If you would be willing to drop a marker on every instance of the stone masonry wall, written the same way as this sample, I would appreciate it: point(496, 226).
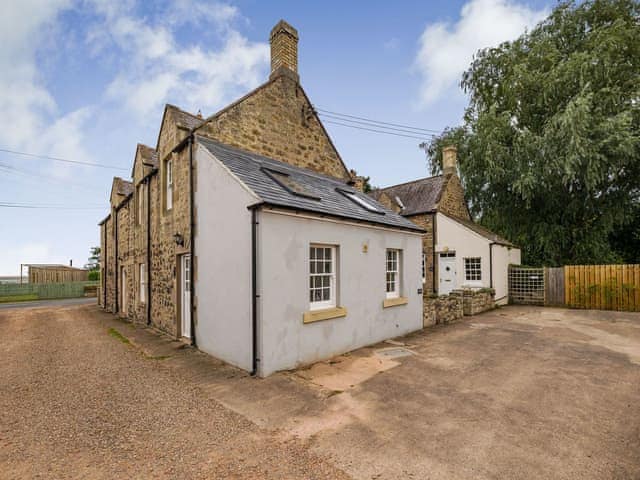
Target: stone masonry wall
point(165, 252)
point(277, 121)
point(452, 201)
point(125, 260)
point(477, 301)
point(425, 221)
point(442, 310)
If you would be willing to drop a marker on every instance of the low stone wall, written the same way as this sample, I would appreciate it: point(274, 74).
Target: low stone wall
point(477, 301)
point(441, 310)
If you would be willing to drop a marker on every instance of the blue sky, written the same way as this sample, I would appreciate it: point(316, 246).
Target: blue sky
point(87, 80)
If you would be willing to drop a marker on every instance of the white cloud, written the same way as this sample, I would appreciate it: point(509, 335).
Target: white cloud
point(447, 49)
point(29, 110)
point(157, 69)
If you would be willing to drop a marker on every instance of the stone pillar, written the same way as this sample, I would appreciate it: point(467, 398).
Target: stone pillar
point(284, 50)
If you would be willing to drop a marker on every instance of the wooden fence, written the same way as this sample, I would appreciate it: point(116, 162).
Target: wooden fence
point(603, 287)
point(36, 291)
point(57, 274)
point(600, 287)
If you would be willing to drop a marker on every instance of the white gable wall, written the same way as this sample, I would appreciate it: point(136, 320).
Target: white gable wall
point(455, 237)
point(502, 257)
point(223, 262)
point(284, 240)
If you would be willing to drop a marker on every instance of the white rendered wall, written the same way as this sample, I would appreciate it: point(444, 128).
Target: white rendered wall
point(502, 257)
point(465, 242)
point(455, 237)
point(223, 263)
point(285, 341)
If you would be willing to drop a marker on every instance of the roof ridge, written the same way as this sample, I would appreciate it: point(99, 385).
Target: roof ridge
point(304, 170)
point(410, 181)
point(183, 111)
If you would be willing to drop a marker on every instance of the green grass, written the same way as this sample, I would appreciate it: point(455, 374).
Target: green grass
point(19, 298)
point(116, 334)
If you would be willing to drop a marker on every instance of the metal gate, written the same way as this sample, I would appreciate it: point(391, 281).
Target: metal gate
point(526, 285)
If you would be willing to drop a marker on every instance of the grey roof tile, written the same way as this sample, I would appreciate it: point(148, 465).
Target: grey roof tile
point(418, 196)
point(253, 171)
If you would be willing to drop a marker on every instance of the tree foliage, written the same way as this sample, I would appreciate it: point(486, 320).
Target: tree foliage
point(94, 259)
point(550, 147)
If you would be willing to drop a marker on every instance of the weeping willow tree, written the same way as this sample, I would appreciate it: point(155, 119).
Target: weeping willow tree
point(550, 145)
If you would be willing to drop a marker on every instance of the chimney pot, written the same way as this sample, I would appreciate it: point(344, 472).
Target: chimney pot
point(284, 50)
point(450, 160)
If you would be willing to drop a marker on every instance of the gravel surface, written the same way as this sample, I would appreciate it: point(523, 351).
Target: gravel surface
point(77, 402)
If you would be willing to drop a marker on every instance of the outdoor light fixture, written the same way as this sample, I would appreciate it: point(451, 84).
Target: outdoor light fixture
point(179, 239)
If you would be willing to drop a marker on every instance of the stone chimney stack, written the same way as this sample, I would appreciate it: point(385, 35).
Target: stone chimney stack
point(450, 160)
point(284, 50)
point(357, 181)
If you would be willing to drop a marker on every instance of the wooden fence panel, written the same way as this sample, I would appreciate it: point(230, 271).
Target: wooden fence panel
point(606, 287)
point(554, 286)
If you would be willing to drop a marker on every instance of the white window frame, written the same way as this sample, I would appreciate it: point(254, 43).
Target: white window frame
point(169, 184)
point(314, 248)
point(471, 270)
point(142, 272)
point(393, 267)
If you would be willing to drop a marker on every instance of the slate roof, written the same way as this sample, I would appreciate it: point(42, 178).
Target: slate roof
point(148, 155)
point(480, 230)
point(418, 196)
point(123, 187)
point(257, 173)
point(184, 118)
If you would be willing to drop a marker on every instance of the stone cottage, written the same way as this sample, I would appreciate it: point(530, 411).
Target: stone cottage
point(245, 234)
point(457, 252)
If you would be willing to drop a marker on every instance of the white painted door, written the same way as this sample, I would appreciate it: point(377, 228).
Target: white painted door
point(123, 289)
point(447, 273)
point(186, 296)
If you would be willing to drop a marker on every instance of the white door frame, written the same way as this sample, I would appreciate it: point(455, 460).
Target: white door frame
point(447, 272)
point(185, 292)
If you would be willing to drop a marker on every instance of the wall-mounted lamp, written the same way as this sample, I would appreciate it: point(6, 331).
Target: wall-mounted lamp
point(179, 239)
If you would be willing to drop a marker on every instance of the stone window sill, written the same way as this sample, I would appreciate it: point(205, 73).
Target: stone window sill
point(324, 314)
point(392, 302)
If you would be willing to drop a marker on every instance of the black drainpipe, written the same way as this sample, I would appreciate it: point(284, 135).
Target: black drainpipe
point(254, 291)
point(115, 251)
point(192, 242)
point(106, 266)
point(148, 269)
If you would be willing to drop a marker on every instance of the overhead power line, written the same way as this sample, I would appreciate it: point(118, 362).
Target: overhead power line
point(378, 131)
point(57, 159)
point(28, 174)
point(46, 206)
point(368, 124)
point(379, 122)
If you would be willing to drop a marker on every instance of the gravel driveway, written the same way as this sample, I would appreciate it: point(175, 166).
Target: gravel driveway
point(79, 402)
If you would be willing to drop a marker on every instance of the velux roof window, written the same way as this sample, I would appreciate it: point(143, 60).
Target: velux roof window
point(290, 184)
point(360, 201)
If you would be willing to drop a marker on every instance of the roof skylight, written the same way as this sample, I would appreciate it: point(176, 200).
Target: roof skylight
point(360, 201)
point(290, 184)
